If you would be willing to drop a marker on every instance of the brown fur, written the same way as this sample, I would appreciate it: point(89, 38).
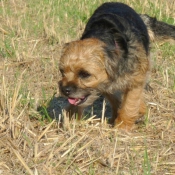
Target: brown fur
point(89, 55)
point(111, 57)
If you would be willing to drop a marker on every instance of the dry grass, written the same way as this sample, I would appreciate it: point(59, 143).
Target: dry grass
point(32, 33)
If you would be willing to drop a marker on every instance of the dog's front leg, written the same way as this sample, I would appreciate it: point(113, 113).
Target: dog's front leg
point(115, 101)
point(132, 108)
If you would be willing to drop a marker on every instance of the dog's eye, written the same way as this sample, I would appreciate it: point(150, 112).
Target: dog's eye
point(84, 74)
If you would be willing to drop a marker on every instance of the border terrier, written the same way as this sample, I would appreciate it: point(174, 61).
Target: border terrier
point(111, 56)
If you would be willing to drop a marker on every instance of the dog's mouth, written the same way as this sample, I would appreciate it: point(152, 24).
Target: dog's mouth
point(77, 101)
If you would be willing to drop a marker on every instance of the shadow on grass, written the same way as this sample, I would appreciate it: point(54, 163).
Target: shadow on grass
point(56, 105)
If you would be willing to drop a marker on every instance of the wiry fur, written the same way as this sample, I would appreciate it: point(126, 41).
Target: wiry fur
point(112, 55)
point(158, 30)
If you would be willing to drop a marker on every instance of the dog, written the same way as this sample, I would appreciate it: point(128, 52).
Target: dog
point(112, 55)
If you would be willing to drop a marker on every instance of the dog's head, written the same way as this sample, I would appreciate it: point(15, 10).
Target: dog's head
point(83, 69)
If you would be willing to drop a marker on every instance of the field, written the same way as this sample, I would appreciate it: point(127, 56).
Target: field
point(33, 140)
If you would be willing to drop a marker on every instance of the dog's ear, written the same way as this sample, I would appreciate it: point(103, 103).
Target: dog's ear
point(64, 47)
point(113, 55)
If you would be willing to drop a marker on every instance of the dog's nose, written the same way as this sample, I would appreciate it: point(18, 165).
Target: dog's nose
point(67, 90)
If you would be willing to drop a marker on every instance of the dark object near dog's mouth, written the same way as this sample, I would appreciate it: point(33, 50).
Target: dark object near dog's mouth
point(77, 101)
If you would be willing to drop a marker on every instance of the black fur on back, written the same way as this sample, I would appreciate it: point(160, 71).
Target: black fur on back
point(115, 22)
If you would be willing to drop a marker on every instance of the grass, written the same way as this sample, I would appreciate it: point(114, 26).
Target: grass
point(32, 34)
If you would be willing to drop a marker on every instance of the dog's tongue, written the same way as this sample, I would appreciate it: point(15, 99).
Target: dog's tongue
point(72, 100)
point(75, 101)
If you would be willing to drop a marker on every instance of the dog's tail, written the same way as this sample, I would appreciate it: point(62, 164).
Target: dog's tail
point(158, 30)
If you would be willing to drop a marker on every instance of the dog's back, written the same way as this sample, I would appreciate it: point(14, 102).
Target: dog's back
point(118, 21)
